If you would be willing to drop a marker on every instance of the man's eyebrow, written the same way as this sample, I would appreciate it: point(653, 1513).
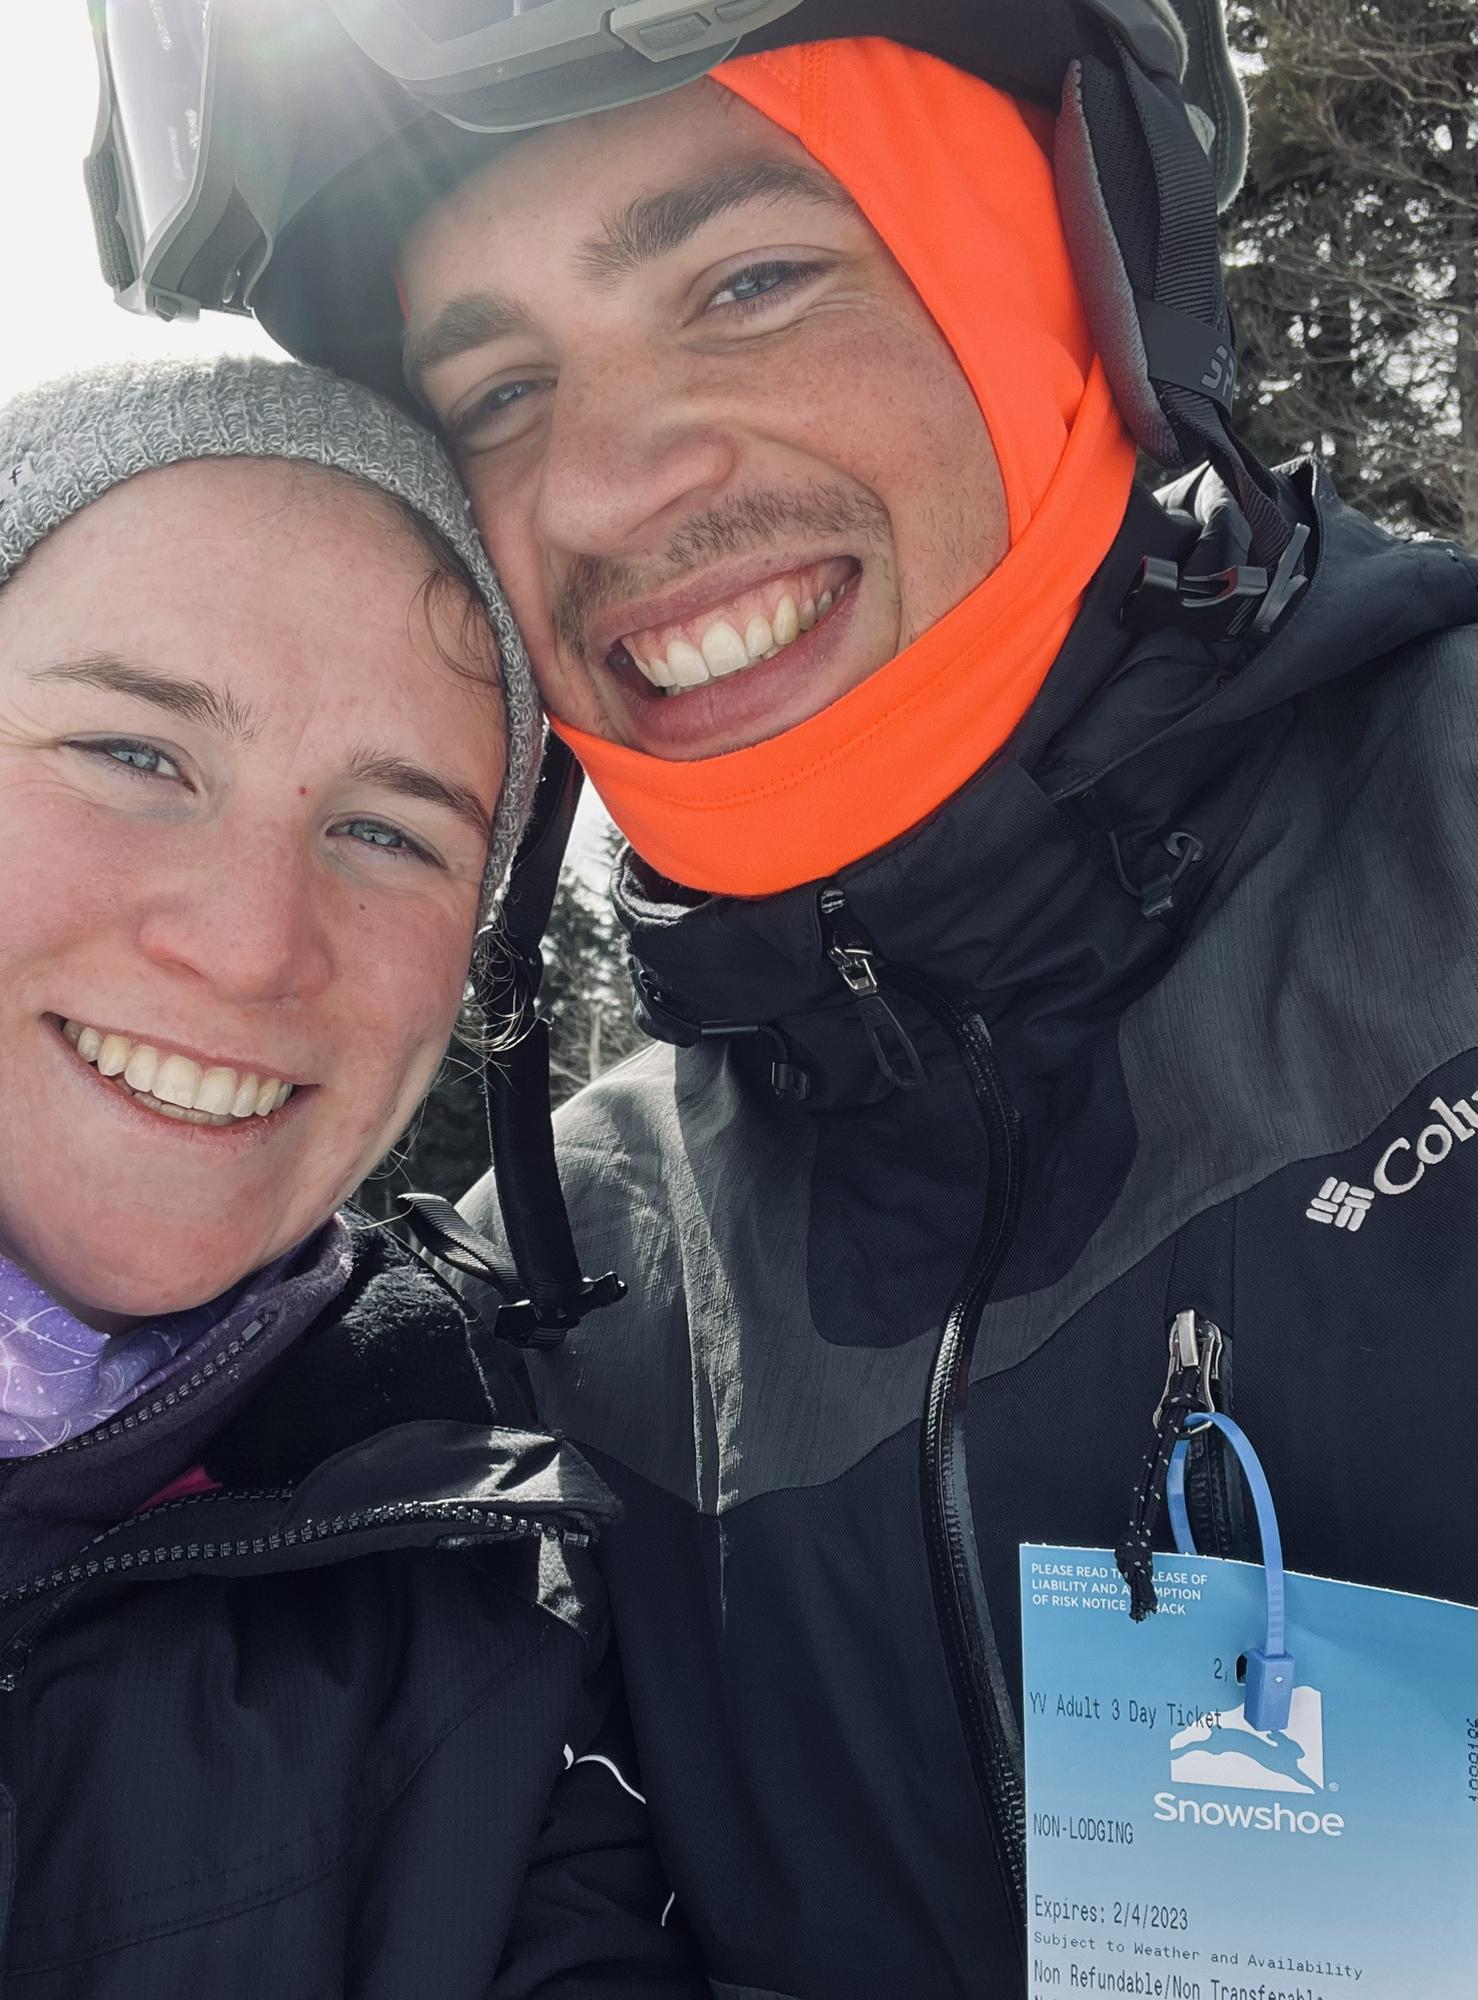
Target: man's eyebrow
point(195, 701)
point(469, 321)
point(414, 781)
point(655, 224)
point(645, 229)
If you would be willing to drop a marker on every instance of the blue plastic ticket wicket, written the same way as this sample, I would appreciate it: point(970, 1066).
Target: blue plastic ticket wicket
point(1175, 1852)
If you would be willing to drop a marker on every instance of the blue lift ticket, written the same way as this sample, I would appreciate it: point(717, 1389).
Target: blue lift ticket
point(1176, 1852)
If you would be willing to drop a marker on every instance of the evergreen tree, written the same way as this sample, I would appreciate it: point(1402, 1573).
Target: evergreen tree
point(587, 989)
point(1353, 250)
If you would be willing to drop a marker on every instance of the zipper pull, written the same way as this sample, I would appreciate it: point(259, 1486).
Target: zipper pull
point(850, 951)
point(1195, 1364)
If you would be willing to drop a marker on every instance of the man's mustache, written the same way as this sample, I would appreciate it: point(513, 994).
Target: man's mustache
point(736, 527)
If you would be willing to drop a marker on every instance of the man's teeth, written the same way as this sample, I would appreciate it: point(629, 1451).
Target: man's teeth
point(724, 650)
point(176, 1085)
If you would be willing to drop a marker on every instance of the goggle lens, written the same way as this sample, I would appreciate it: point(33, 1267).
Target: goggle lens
point(156, 62)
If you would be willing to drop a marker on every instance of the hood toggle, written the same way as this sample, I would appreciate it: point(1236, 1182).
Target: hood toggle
point(1156, 898)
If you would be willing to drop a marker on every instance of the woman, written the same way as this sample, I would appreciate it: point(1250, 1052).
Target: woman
point(296, 1642)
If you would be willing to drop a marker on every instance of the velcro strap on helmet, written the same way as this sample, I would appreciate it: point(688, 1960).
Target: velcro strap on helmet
point(100, 175)
point(1138, 199)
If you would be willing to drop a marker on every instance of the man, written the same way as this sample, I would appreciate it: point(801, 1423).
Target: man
point(1045, 895)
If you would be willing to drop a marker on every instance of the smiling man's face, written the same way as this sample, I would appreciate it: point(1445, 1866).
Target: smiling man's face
point(725, 462)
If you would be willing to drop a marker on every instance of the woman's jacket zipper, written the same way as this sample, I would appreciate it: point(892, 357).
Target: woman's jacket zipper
point(178, 1392)
point(481, 1521)
point(976, 1672)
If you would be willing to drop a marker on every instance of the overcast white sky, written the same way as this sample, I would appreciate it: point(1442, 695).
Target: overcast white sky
point(56, 314)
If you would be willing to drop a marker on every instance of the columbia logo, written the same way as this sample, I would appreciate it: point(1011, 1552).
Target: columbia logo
point(1340, 1203)
point(1401, 1166)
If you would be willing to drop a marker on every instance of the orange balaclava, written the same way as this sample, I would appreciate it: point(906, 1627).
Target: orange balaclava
point(956, 177)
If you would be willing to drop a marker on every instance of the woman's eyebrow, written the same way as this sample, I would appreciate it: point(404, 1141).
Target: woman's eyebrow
point(414, 781)
point(195, 701)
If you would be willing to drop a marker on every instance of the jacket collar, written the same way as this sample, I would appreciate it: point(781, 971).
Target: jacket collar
point(1053, 887)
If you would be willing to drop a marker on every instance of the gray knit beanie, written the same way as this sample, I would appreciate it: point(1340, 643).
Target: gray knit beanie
point(68, 442)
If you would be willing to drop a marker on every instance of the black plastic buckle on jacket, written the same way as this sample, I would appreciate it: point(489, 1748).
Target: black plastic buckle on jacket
point(1222, 605)
point(535, 1321)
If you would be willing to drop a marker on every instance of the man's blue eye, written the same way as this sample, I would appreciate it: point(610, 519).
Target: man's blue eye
point(488, 408)
point(759, 282)
point(751, 284)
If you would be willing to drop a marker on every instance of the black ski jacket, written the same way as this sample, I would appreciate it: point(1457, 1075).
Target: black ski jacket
point(308, 1737)
point(1170, 1009)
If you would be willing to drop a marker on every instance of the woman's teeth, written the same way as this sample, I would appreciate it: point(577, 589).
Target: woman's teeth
point(722, 649)
point(175, 1085)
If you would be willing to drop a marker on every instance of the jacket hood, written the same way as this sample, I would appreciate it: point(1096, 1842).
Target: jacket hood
point(956, 179)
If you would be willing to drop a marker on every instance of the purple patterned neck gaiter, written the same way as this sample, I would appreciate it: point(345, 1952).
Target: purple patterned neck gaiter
point(59, 1378)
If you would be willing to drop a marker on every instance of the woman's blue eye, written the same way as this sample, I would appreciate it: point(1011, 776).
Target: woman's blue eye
point(141, 760)
point(390, 839)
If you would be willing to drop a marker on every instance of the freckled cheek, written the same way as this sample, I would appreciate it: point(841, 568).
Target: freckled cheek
point(77, 883)
point(880, 398)
point(397, 1007)
point(505, 520)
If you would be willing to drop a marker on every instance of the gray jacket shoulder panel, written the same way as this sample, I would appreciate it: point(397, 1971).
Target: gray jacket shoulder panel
point(1283, 1029)
point(1330, 971)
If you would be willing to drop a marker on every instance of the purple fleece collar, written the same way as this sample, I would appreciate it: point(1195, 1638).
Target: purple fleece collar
point(53, 1501)
point(60, 1377)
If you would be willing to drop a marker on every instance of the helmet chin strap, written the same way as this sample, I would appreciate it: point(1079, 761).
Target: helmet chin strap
point(546, 1293)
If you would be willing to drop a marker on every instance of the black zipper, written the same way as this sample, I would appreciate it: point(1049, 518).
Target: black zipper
point(850, 950)
point(977, 1675)
point(57, 1589)
point(178, 1392)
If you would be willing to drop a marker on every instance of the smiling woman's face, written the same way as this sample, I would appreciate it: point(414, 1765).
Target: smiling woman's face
point(244, 803)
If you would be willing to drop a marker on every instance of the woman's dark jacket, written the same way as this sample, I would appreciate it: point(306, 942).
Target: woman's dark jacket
point(308, 1736)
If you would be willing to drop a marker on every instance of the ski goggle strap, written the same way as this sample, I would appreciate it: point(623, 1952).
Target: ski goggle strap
point(503, 65)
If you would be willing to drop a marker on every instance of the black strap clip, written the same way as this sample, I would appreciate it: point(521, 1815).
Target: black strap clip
point(544, 1323)
point(1195, 1361)
point(658, 1015)
point(1221, 605)
point(546, 1315)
